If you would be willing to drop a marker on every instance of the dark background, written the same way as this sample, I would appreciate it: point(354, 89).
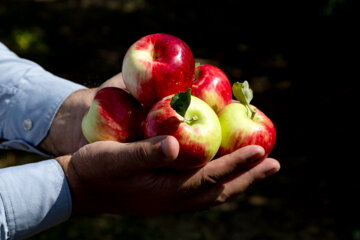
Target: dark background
point(299, 57)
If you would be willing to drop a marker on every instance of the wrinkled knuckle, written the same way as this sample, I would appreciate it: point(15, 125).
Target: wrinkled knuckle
point(207, 180)
point(141, 155)
point(83, 152)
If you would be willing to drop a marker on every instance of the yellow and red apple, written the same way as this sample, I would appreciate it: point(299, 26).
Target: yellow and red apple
point(243, 124)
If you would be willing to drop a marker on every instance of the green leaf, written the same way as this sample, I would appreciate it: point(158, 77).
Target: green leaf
point(244, 95)
point(180, 102)
point(197, 64)
point(242, 92)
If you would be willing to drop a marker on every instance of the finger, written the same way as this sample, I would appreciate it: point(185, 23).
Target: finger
point(222, 168)
point(240, 183)
point(231, 163)
point(222, 192)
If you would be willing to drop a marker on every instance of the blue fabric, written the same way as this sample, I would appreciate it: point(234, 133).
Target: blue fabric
point(35, 196)
point(29, 99)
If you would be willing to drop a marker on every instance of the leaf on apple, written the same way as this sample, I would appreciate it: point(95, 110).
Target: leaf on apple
point(244, 94)
point(180, 102)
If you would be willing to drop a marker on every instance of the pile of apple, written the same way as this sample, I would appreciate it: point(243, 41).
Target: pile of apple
point(168, 95)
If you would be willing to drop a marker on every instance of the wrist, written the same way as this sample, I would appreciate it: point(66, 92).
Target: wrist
point(65, 135)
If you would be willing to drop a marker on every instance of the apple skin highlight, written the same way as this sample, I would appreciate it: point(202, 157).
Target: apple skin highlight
point(199, 141)
point(156, 66)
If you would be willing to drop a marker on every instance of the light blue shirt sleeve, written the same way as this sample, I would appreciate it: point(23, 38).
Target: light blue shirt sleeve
point(35, 196)
point(29, 99)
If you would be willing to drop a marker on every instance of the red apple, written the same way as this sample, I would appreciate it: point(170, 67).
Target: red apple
point(212, 86)
point(243, 124)
point(196, 128)
point(113, 115)
point(156, 66)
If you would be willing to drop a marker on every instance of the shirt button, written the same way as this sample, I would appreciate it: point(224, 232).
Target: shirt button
point(27, 124)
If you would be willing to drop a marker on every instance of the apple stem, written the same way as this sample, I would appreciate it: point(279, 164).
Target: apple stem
point(244, 94)
point(191, 120)
point(252, 110)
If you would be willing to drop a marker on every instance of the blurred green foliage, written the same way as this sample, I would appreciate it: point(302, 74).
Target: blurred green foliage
point(29, 40)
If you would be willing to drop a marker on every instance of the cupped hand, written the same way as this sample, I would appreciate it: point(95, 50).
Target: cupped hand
point(65, 135)
point(132, 178)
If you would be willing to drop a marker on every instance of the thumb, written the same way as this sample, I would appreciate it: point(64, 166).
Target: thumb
point(151, 153)
point(119, 159)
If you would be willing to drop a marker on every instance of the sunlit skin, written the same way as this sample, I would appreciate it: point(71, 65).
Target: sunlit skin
point(113, 115)
point(212, 86)
point(199, 140)
point(239, 130)
point(156, 66)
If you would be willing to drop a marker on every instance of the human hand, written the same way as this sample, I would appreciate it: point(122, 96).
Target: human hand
point(132, 178)
point(65, 135)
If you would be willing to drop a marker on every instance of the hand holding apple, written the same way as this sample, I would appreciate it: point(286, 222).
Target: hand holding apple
point(160, 65)
point(125, 178)
point(157, 66)
point(243, 124)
